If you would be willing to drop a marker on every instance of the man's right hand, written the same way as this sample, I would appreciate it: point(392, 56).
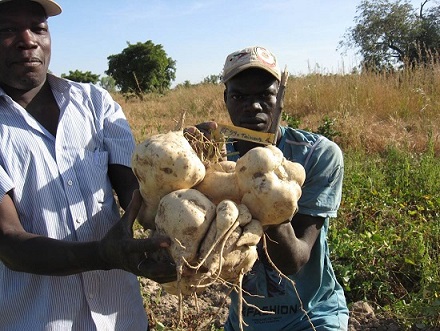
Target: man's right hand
point(119, 250)
point(206, 128)
point(199, 134)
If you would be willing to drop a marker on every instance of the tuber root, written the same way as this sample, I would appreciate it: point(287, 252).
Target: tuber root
point(220, 182)
point(162, 164)
point(270, 184)
point(184, 215)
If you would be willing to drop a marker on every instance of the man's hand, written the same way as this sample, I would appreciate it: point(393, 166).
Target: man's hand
point(199, 135)
point(206, 128)
point(145, 219)
point(119, 250)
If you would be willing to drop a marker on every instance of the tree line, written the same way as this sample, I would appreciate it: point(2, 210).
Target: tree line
point(388, 34)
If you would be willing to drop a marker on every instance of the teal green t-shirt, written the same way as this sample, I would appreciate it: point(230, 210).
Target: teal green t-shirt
point(317, 291)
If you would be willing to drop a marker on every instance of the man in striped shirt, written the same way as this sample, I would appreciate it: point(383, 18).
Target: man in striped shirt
point(67, 259)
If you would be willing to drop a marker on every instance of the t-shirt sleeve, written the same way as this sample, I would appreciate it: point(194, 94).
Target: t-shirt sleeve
point(322, 190)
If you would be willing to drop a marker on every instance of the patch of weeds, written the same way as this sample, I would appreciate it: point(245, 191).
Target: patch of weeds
point(385, 242)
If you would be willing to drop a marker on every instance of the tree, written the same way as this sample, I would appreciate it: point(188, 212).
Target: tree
point(212, 79)
point(142, 67)
point(108, 83)
point(392, 33)
point(428, 41)
point(81, 77)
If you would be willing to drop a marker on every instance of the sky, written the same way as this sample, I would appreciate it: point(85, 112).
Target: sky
point(198, 35)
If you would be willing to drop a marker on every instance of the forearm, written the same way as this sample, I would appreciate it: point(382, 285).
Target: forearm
point(286, 250)
point(124, 183)
point(45, 256)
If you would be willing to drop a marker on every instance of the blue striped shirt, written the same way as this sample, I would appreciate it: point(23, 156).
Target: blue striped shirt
point(61, 190)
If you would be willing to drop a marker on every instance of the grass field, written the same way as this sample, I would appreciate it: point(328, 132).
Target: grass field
point(385, 241)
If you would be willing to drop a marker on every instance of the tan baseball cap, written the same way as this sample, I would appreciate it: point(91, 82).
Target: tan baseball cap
point(250, 57)
point(51, 7)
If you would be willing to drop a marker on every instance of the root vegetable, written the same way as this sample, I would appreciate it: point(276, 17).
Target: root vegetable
point(162, 164)
point(220, 182)
point(184, 215)
point(271, 185)
point(225, 223)
point(219, 257)
point(252, 233)
point(244, 215)
point(238, 260)
point(214, 215)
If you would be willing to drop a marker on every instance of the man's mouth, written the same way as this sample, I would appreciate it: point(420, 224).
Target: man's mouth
point(257, 123)
point(28, 62)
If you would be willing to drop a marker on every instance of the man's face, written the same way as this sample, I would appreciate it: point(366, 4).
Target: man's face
point(250, 98)
point(25, 45)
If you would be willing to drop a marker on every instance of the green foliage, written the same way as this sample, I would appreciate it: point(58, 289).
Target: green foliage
point(291, 121)
point(212, 79)
point(327, 128)
point(385, 243)
point(81, 77)
point(108, 83)
point(185, 84)
point(141, 68)
point(393, 32)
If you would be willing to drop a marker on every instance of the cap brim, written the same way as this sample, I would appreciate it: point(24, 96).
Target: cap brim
point(50, 7)
point(237, 70)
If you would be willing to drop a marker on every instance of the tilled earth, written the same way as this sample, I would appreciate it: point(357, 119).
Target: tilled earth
point(211, 309)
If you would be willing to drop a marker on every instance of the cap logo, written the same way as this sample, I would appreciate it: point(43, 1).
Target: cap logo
point(265, 56)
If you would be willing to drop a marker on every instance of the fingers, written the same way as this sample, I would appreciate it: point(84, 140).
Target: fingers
point(150, 244)
point(160, 272)
point(133, 208)
point(205, 127)
point(145, 219)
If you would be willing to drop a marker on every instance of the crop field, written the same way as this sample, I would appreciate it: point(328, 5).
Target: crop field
point(385, 240)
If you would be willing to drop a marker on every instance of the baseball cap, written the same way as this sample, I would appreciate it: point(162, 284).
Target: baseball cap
point(250, 57)
point(51, 7)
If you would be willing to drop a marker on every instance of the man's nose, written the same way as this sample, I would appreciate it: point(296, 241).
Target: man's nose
point(27, 39)
point(255, 105)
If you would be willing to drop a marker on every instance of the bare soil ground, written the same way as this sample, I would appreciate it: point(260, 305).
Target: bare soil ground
point(210, 311)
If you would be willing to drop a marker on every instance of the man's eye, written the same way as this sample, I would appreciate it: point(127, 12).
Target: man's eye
point(267, 94)
point(39, 29)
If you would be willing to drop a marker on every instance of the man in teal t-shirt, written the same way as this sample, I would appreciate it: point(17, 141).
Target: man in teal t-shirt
point(298, 248)
point(319, 293)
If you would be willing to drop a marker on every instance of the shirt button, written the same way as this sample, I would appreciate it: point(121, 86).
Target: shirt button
point(79, 220)
point(70, 182)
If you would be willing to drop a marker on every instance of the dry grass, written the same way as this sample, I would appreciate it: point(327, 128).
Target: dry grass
point(372, 112)
point(161, 113)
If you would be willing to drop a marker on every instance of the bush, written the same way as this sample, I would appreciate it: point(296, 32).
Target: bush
point(385, 243)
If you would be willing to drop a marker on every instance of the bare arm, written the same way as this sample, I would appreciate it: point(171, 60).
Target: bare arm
point(27, 252)
point(124, 182)
point(290, 244)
